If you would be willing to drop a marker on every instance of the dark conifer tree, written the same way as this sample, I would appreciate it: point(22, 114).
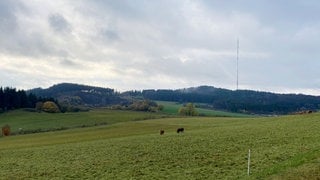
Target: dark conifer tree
point(11, 99)
point(1, 99)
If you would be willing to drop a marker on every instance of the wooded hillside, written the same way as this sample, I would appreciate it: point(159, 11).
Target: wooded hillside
point(246, 101)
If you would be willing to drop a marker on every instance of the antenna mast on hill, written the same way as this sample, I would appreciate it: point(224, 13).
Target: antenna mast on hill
point(237, 63)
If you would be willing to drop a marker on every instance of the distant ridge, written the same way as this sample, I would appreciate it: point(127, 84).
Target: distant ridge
point(77, 94)
point(68, 87)
point(246, 101)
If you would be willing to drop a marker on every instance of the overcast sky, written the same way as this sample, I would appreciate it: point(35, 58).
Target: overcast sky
point(161, 44)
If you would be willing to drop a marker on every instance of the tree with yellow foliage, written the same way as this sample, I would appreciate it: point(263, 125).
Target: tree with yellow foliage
point(50, 107)
point(188, 110)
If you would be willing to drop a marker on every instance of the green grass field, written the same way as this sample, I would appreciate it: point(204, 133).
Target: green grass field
point(285, 147)
point(41, 122)
point(173, 108)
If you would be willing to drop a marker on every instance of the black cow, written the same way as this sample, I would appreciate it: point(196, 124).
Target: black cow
point(161, 132)
point(180, 130)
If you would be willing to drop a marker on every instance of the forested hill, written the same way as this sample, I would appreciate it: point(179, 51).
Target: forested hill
point(239, 100)
point(76, 94)
point(221, 99)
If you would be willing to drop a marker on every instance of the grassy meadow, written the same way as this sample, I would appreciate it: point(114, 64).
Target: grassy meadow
point(173, 108)
point(24, 122)
point(285, 147)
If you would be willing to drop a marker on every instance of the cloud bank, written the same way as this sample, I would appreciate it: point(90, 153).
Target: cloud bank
point(161, 44)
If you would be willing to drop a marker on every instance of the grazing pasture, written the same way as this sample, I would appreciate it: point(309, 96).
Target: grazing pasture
point(210, 148)
point(23, 122)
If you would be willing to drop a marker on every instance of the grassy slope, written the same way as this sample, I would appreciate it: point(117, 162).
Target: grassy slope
point(33, 122)
point(210, 148)
point(173, 107)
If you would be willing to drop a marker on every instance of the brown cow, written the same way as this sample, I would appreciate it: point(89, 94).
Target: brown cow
point(6, 130)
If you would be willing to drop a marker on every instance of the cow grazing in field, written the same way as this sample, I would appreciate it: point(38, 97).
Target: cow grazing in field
point(161, 132)
point(304, 112)
point(6, 130)
point(180, 130)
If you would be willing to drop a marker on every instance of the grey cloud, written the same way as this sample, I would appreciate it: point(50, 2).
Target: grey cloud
point(20, 37)
point(125, 9)
point(107, 36)
point(192, 41)
point(204, 70)
point(69, 63)
point(8, 20)
point(58, 23)
point(111, 35)
point(29, 45)
point(12, 36)
point(280, 13)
